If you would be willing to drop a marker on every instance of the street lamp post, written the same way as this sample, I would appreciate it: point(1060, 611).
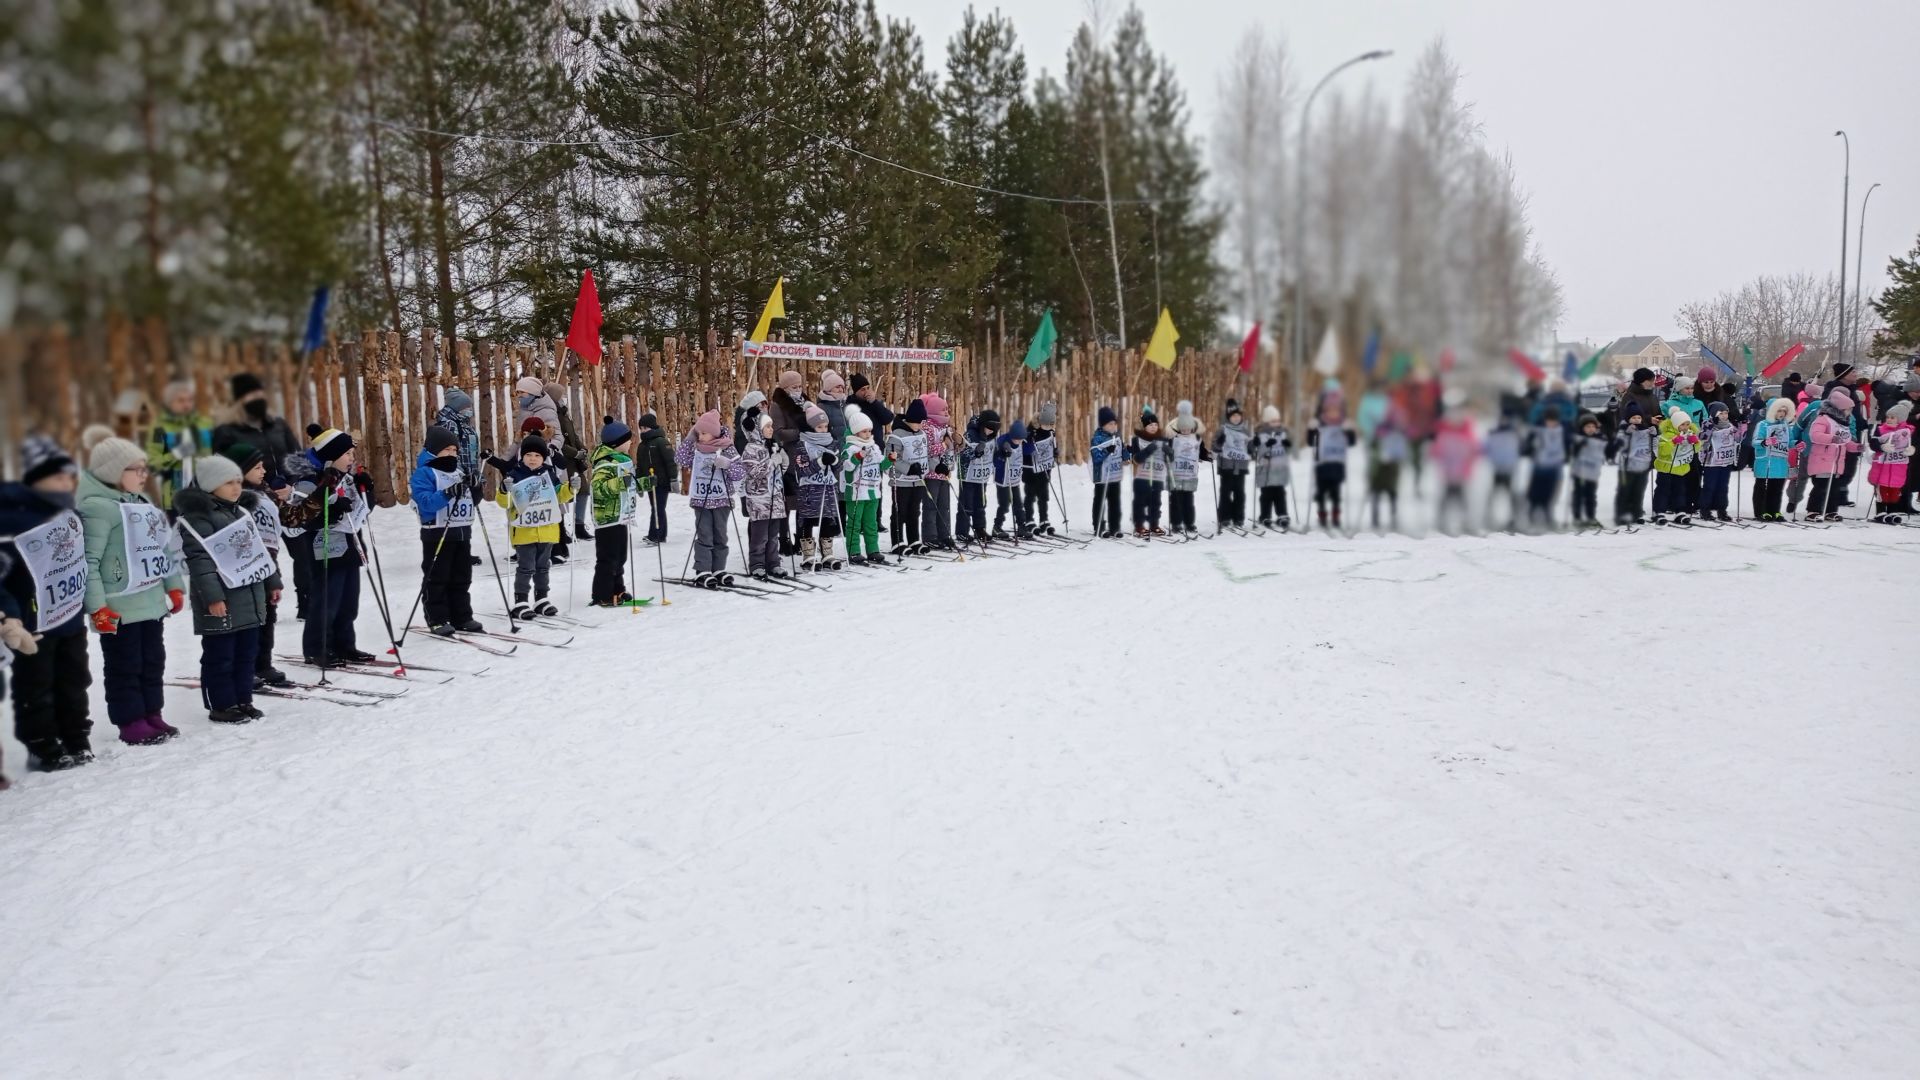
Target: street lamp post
point(1840, 342)
point(1299, 329)
point(1859, 259)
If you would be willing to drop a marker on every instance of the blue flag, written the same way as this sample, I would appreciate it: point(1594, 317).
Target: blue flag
point(1724, 366)
point(316, 322)
point(1571, 370)
point(1371, 355)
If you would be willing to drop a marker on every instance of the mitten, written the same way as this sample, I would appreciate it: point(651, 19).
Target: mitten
point(13, 633)
point(106, 620)
point(176, 599)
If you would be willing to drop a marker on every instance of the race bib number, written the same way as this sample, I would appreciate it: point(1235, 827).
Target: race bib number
point(266, 518)
point(980, 469)
point(869, 474)
point(1111, 467)
point(151, 546)
point(1233, 444)
point(55, 555)
point(238, 553)
point(1013, 469)
point(1895, 447)
point(1186, 457)
point(1683, 453)
point(536, 504)
point(1043, 455)
point(709, 476)
point(461, 512)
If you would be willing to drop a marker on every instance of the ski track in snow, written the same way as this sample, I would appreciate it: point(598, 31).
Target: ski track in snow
point(1250, 807)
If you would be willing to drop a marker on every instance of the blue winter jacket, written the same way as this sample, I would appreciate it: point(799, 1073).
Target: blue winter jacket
point(1104, 445)
point(428, 497)
point(1770, 462)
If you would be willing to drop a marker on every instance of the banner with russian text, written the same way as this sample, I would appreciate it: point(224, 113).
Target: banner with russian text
point(844, 354)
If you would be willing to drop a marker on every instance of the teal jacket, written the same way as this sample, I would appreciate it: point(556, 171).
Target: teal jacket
point(107, 557)
point(1695, 409)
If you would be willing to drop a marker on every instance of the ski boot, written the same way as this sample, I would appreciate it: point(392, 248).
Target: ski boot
point(1283, 524)
point(777, 572)
point(470, 626)
point(1721, 515)
point(544, 607)
point(854, 558)
point(444, 630)
point(270, 676)
point(761, 575)
point(234, 715)
point(874, 558)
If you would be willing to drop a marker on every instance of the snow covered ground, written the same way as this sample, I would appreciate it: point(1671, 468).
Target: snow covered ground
point(1622, 806)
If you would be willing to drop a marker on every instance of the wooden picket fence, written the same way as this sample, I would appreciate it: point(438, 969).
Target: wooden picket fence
point(386, 388)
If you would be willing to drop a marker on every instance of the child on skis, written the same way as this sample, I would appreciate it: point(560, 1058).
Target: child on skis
point(861, 465)
point(133, 581)
point(1719, 457)
point(763, 499)
point(178, 436)
point(1547, 446)
point(1892, 446)
point(816, 474)
point(617, 492)
point(1232, 458)
point(1672, 460)
point(1831, 438)
point(659, 474)
point(263, 499)
point(1330, 440)
point(46, 586)
point(1502, 450)
point(1585, 460)
point(1273, 468)
point(234, 578)
point(1185, 452)
point(908, 448)
point(976, 472)
point(1108, 460)
point(1455, 449)
point(326, 510)
point(936, 511)
point(1149, 453)
point(444, 501)
point(707, 451)
point(532, 492)
point(1390, 449)
point(1042, 451)
point(1772, 440)
point(1009, 474)
point(1633, 447)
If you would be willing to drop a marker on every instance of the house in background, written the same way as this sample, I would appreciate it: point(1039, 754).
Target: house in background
point(1628, 353)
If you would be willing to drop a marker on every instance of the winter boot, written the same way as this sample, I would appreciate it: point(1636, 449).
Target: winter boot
point(270, 676)
point(876, 559)
point(138, 732)
point(726, 579)
point(161, 726)
point(1721, 515)
point(471, 626)
point(854, 558)
point(1323, 519)
point(355, 656)
point(234, 715)
point(544, 608)
point(778, 572)
point(251, 710)
point(50, 757)
point(808, 561)
point(443, 630)
point(761, 575)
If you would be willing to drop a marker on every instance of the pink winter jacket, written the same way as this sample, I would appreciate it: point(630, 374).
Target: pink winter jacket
point(1832, 442)
point(1890, 461)
point(1455, 449)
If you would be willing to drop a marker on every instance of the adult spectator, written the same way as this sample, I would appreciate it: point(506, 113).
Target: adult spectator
point(654, 460)
point(250, 421)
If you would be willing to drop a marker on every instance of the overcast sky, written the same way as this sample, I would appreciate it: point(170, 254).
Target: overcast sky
point(1671, 148)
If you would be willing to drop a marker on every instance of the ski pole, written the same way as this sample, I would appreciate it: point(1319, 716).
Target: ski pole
point(432, 560)
point(380, 594)
point(326, 577)
point(486, 536)
point(657, 518)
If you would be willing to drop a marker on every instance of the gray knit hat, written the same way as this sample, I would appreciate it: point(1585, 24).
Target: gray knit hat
point(211, 472)
point(458, 400)
point(41, 457)
point(1049, 413)
point(112, 456)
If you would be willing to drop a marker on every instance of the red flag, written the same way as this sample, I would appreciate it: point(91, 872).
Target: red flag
point(1526, 365)
point(583, 334)
point(1250, 348)
point(1780, 363)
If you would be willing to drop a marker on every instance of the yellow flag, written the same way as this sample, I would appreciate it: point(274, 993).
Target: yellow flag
point(776, 309)
point(1160, 349)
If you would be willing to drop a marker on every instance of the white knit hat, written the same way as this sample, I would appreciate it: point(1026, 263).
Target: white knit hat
point(211, 472)
point(111, 457)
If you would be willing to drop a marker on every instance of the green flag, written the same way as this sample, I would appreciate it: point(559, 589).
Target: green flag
point(1747, 351)
point(1592, 365)
point(1041, 350)
point(1400, 366)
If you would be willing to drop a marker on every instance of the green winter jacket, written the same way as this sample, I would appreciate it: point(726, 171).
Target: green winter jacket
point(612, 474)
point(247, 605)
point(172, 441)
point(107, 557)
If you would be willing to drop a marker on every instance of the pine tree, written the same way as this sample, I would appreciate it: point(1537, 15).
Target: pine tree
point(1899, 305)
